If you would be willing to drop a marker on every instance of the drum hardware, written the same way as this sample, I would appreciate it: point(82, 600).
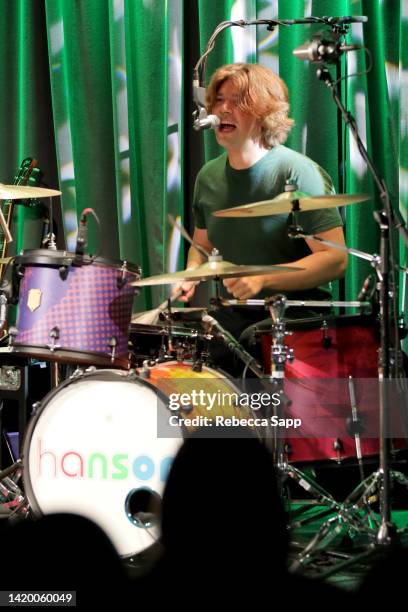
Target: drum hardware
point(122, 277)
point(355, 426)
point(280, 355)
point(50, 239)
point(11, 496)
point(279, 358)
point(54, 335)
point(112, 343)
point(10, 378)
point(384, 533)
point(326, 339)
point(213, 326)
point(298, 303)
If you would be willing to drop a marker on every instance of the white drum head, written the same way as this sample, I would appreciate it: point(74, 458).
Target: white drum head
point(92, 444)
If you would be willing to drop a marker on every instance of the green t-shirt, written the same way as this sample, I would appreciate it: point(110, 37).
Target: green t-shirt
point(260, 240)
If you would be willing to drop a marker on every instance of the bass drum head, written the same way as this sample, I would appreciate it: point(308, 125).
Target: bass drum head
point(92, 447)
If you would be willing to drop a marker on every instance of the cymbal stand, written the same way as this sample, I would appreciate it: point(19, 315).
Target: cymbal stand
point(12, 497)
point(49, 239)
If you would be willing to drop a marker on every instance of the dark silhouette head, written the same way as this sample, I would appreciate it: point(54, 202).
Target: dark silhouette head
point(221, 506)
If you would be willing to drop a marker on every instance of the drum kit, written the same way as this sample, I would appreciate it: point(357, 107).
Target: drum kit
point(94, 445)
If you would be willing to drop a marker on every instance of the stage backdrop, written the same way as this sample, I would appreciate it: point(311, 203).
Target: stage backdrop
point(94, 89)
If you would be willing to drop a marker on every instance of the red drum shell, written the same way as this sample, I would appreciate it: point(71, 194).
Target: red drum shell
point(329, 348)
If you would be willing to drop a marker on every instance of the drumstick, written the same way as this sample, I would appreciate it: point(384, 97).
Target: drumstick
point(4, 226)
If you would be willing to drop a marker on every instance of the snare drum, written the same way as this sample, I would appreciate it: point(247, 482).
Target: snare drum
point(93, 446)
point(79, 314)
point(159, 341)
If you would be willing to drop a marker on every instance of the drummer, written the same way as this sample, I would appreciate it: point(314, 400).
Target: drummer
point(252, 104)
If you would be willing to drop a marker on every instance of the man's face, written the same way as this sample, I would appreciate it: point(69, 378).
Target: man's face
point(236, 126)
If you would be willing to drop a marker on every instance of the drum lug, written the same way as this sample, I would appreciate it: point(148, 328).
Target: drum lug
point(326, 339)
point(145, 370)
point(35, 407)
point(112, 343)
point(338, 447)
point(63, 272)
point(77, 373)
point(54, 335)
point(122, 279)
point(13, 332)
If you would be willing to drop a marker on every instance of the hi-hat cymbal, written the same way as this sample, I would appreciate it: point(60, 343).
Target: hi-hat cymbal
point(25, 192)
point(213, 269)
point(153, 316)
point(282, 204)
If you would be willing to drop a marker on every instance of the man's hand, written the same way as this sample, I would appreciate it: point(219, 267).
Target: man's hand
point(245, 287)
point(188, 289)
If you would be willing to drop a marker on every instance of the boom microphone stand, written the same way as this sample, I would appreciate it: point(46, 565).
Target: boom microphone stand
point(386, 533)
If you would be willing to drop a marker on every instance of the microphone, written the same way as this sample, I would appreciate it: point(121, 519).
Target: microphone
point(323, 51)
point(231, 343)
point(204, 121)
point(366, 288)
point(82, 239)
point(347, 19)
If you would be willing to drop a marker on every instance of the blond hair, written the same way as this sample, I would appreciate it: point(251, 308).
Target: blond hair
point(261, 93)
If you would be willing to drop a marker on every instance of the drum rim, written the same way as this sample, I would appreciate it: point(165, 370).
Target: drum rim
point(113, 376)
point(65, 355)
point(312, 323)
point(168, 329)
point(38, 257)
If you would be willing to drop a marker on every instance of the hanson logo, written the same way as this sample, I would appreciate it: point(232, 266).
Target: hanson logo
point(98, 465)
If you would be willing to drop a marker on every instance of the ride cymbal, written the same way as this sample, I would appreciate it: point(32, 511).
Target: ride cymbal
point(25, 192)
point(212, 270)
point(282, 204)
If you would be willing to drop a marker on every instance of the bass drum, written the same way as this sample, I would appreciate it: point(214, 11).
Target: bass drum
point(96, 447)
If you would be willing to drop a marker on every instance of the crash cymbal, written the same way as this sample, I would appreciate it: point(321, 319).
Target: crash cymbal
point(213, 269)
point(5, 260)
point(24, 192)
point(282, 204)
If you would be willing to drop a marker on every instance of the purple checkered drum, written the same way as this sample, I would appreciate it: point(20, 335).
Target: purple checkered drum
point(69, 313)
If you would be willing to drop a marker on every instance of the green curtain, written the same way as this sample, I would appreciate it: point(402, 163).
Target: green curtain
point(109, 65)
point(26, 128)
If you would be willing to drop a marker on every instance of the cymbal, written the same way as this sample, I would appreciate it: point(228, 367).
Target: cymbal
point(213, 269)
point(154, 315)
point(25, 192)
point(5, 260)
point(282, 204)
